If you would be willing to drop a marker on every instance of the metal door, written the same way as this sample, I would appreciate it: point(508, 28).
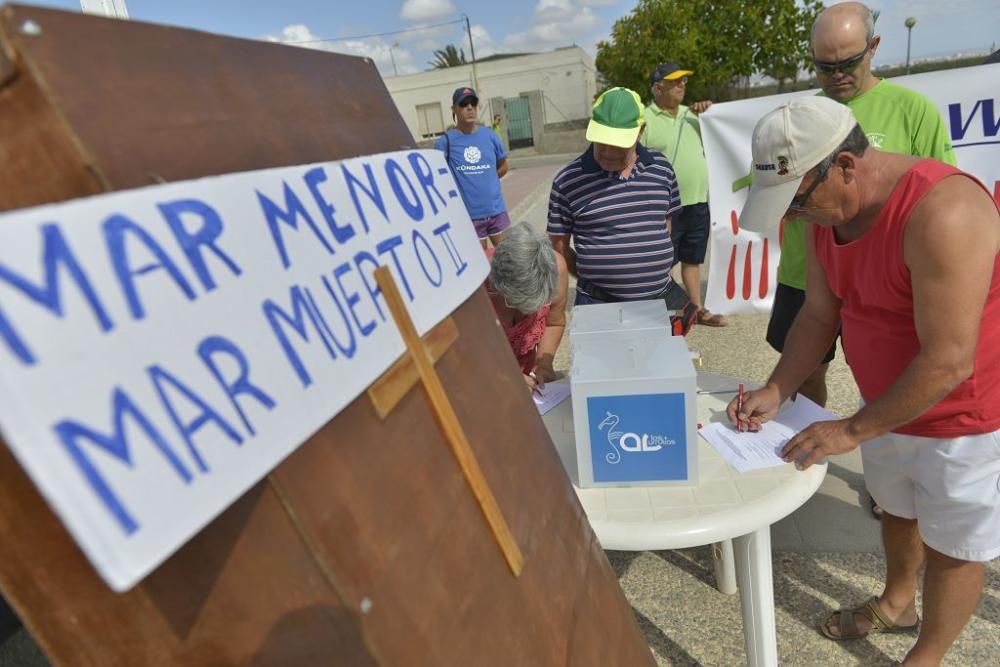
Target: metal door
point(518, 121)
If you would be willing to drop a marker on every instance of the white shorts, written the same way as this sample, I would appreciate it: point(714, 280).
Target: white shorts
point(951, 487)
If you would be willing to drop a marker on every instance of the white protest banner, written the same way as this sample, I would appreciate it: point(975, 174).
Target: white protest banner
point(744, 264)
point(162, 349)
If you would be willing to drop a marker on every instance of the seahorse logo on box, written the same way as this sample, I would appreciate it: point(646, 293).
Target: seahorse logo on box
point(629, 441)
point(636, 437)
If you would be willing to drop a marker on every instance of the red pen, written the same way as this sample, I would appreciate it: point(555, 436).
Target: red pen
point(739, 409)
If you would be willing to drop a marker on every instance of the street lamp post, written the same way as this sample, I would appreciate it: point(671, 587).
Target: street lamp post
point(472, 52)
point(909, 23)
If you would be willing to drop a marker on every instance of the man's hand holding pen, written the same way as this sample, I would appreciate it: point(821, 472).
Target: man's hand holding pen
point(754, 408)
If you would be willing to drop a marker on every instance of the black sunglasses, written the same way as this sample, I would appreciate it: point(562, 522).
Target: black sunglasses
point(468, 103)
point(846, 66)
point(799, 201)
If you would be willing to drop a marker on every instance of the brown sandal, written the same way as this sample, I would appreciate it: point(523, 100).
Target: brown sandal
point(710, 319)
point(844, 618)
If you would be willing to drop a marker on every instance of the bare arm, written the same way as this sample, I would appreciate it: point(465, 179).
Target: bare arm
point(501, 167)
point(561, 244)
point(811, 334)
point(950, 246)
point(813, 331)
point(555, 326)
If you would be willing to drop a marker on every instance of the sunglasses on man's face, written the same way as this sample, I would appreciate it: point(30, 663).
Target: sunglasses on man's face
point(845, 66)
point(468, 103)
point(799, 201)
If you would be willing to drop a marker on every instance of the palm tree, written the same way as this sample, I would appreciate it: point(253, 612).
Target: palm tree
point(449, 56)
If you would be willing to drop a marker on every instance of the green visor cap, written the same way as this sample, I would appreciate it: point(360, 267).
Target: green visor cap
point(616, 118)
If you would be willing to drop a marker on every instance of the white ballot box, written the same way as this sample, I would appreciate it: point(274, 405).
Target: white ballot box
point(632, 316)
point(634, 410)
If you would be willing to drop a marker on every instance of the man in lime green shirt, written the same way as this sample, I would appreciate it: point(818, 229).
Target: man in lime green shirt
point(895, 118)
point(673, 129)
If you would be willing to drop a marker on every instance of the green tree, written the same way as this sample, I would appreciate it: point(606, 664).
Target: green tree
point(449, 56)
point(721, 40)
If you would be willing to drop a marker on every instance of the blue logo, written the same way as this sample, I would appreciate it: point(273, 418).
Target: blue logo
point(638, 438)
point(961, 123)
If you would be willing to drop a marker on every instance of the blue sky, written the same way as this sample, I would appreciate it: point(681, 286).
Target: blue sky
point(515, 25)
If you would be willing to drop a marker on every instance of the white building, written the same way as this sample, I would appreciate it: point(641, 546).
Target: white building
point(112, 8)
point(529, 92)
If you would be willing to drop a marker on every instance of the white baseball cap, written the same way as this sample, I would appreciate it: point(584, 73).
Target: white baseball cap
point(786, 144)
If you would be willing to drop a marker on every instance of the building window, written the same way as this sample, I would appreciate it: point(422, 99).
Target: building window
point(430, 121)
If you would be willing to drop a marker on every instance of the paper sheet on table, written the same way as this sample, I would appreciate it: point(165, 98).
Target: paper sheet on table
point(550, 395)
point(752, 451)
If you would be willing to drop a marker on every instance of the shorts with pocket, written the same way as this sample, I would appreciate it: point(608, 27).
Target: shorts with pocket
point(950, 486)
point(689, 233)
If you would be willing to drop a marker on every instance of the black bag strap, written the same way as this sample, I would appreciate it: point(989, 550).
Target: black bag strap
point(447, 151)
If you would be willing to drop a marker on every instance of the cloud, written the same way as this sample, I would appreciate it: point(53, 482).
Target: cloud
point(485, 46)
point(297, 32)
point(555, 23)
point(432, 38)
point(426, 10)
point(382, 53)
point(428, 38)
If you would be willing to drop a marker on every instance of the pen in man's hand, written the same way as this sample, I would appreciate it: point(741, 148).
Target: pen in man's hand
point(739, 409)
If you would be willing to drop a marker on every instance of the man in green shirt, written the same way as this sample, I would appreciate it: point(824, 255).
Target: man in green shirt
point(673, 129)
point(895, 118)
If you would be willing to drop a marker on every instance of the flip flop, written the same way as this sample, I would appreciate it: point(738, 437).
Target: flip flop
point(844, 618)
point(710, 319)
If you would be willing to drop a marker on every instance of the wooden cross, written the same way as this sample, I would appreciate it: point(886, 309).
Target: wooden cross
point(418, 366)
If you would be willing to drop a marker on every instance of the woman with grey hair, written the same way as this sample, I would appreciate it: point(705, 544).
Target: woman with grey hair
point(528, 285)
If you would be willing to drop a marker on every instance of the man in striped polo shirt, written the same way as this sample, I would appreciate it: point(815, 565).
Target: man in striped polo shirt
point(616, 200)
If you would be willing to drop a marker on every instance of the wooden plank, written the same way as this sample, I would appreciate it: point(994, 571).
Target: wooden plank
point(444, 414)
point(386, 392)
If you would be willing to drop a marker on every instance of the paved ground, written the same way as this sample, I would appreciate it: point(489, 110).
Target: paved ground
point(826, 555)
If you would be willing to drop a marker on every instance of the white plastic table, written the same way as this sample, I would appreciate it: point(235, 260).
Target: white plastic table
point(732, 511)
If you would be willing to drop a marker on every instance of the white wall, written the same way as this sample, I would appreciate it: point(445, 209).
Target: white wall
point(112, 8)
point(565, 77)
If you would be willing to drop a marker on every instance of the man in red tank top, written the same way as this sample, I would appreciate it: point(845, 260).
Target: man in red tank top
point(904, 253)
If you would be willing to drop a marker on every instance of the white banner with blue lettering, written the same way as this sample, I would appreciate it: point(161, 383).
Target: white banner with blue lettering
point(743, 264)
point(162, 349)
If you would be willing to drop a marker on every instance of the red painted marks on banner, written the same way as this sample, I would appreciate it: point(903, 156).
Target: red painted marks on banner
point(748, 273)
point(762, 291)
point(996, 192)
point(731, 275)
point(746, 281)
